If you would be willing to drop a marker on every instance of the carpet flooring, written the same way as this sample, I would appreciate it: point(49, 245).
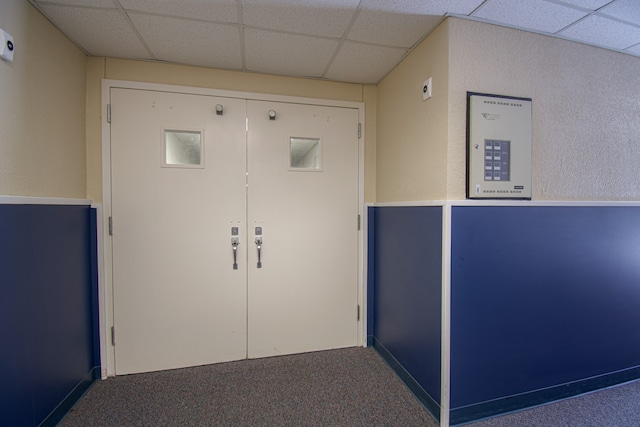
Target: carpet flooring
point(346, 387)
point(617, 406)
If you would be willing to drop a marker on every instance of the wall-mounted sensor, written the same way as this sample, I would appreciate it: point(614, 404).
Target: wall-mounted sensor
point(6, 46)
point(272, 115)
point(219, 109)
point(426, 89)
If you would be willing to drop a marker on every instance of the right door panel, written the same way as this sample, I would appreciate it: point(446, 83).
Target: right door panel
point(304, 295)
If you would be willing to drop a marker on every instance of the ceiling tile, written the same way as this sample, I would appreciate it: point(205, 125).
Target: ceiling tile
point(328, 18)
point(537, 15)
point(361, 63)
point(190, 42)
point(99, 32)
point(421, 7)
point(391, 28)
point(627, 10)
point(588, 4)
point(603, 32)
point(462, 7)
point(91, 3)
point(287, 54)
point(210, 10)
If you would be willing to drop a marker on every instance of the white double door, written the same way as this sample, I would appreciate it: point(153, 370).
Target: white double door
point(187, 183)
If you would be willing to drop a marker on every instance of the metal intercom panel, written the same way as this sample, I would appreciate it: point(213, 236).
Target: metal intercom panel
point(498, 147)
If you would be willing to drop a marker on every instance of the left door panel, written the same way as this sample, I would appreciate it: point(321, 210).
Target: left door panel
point(178, 301)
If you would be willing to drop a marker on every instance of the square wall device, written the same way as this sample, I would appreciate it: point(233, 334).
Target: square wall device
point(498, 147)
point(6, 46)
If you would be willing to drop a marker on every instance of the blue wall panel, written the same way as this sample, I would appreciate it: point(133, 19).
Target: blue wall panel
point(15, 392)
point(47, 308)
point(541, 296)
point(407, 264)
point(371, 221)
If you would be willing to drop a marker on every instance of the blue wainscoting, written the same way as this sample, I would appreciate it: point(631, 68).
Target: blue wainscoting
point(406, 261)
point(371, 227)
point(545, 303)
point(48, 311)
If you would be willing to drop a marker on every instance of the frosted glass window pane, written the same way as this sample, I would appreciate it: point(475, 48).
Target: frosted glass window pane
point(182, 148)
point(306, 153)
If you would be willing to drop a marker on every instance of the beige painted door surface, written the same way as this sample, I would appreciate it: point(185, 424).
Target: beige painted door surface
point(304, 298)
point(177, 299)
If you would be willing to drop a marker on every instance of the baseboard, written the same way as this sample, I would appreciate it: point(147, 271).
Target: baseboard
point(540, 397)
point(370, 341)
point(72, 398)
point(427, 401)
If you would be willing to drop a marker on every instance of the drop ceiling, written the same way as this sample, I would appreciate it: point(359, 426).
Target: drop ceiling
point(356, 41)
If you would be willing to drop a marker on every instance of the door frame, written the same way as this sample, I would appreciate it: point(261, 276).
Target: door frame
point(106, 304)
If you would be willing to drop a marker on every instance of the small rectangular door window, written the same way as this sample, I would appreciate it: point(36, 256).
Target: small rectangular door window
point(305, 154)
point(183, 148)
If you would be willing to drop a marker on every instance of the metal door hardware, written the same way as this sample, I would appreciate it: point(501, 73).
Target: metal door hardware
point(259, 245)
point(234, 244)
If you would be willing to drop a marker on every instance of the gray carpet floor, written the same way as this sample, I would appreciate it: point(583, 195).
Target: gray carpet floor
point(347, 387)
point(617, 406)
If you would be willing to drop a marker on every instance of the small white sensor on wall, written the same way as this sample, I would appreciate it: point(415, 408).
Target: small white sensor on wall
point(6, 46)
point(426, 89)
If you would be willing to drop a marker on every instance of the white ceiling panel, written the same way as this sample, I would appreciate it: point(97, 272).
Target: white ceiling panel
point(287, 54)
point(421, 7)
point(587, 4)
point(99, 32)
point(363, 63)
point(329, 18)
point(537, 15)
point(459, 7)
point(210, 10)
point(392, 28)
point(604, 32)
point(627, 10)
point(90, 3)
point(191, 42)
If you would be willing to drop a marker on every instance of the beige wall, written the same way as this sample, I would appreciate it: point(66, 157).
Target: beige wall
point(42, 108)
point(586, 114)
point(151, 72)
point(586, 109)
point(370, 99)
point(411, 148)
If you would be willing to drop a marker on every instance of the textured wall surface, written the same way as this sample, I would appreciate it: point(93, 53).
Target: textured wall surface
point(42, 107)
point(411, 147)
point(586, 109)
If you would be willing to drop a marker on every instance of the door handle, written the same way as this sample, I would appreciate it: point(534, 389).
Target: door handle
point(259, 245)
point(234, 244)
